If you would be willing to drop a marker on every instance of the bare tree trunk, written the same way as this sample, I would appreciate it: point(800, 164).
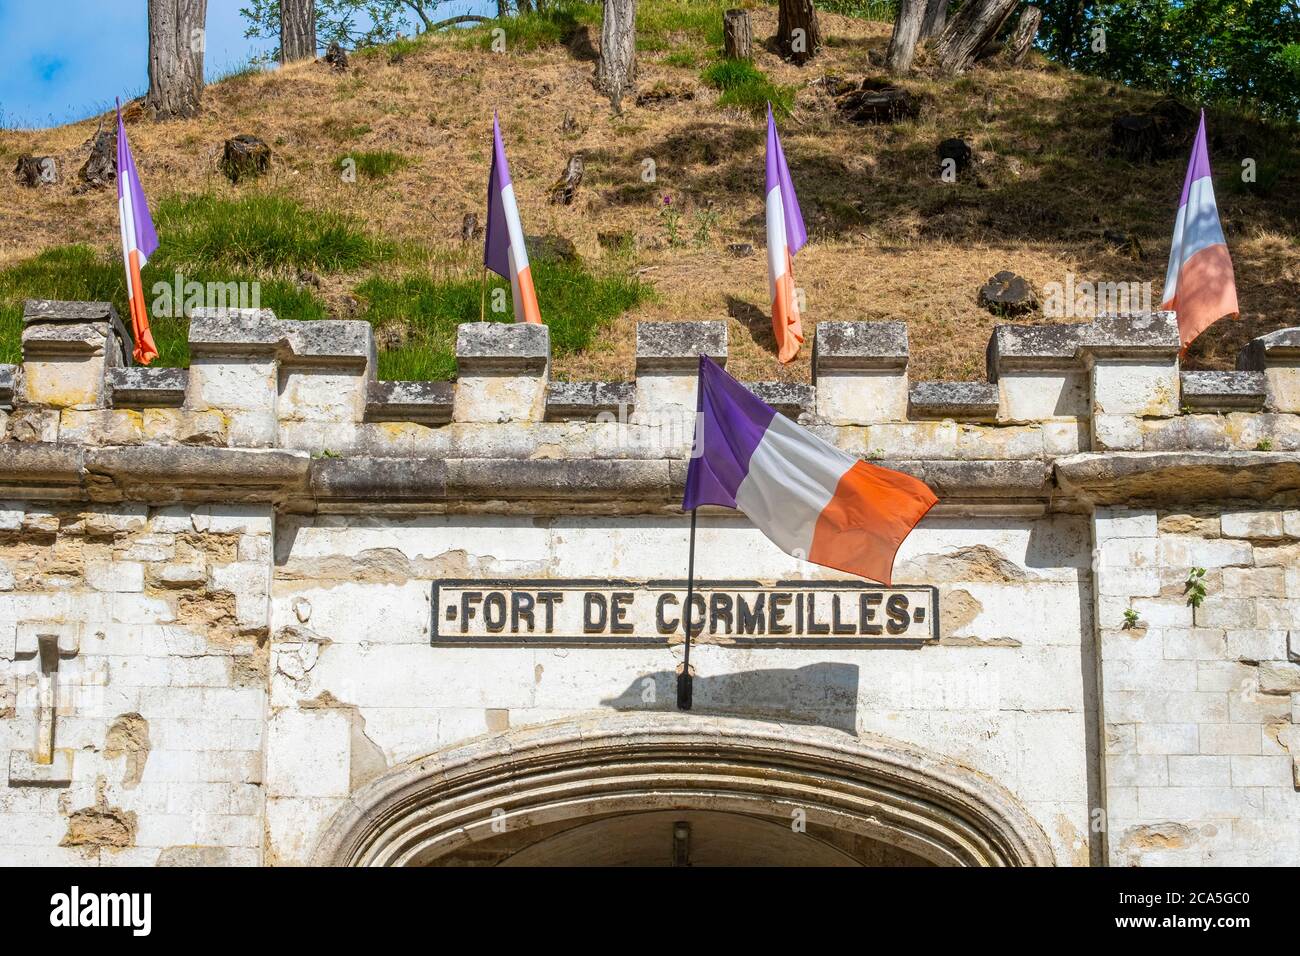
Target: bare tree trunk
point(907, 31)
point(1023, 39)
point(737, 35)
point(503, 8)
point(936, 15)
point(616, 71)
point(976, 23)
point(798, 35)
point(297, 30)
point(176, 44)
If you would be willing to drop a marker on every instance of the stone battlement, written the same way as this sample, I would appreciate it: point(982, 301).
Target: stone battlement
point(1054, 393)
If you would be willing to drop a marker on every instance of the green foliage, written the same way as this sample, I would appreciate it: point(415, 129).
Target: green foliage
point(1194, 587)
point(1264, 444)
point(745, 86)
point(350, 23)
point(1130, 618)
point(862, 9)
point(575, 304)
point(262, 232)
point(373, 164)
point(530, 31)
point(81, 273)
point(1234, 51)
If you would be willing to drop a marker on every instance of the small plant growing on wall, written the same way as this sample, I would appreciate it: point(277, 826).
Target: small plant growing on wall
point(1130, 619)
point(1194, 587)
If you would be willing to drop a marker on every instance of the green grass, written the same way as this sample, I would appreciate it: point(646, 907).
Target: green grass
point(374, 164)
point(862, 9)
point(746, 87)
point(263, 232)
point(575, 304)
point(83, 274)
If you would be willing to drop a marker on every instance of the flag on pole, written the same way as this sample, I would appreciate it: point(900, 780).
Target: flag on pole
point(809, 498)
point(1199, 284)
point(503, 247)
point(139, 240)
point(785, 236)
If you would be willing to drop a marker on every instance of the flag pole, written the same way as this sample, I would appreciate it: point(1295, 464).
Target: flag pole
point(482, 296)
point(684, 687)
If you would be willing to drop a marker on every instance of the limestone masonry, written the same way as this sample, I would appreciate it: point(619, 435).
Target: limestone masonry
point(271, 610)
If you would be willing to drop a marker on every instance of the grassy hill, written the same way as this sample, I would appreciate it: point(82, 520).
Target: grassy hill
point(889, 238)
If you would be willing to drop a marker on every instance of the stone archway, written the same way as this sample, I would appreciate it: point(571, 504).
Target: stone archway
point(538, 783)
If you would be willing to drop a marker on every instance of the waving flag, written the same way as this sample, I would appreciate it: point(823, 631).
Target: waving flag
point(1199, 284)
point(785, 236)
point(139, 240)
point(811, 499)
point(503, 247)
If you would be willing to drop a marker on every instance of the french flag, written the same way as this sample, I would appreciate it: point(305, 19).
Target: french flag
point(1199, 283)
point(786, 235)
point(809, 498)
point(139, 240)
point(503, 247)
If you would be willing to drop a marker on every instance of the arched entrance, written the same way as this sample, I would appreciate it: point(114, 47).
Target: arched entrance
point(660, 787)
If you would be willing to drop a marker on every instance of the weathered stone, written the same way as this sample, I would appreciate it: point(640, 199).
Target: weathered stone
point(1277, 355)
point(791, 399)
point(257, 332)
point(501, 346)
point(139, 386)
point(393, 401)
point(586, 400)
point(959, 400)
point(678, 345)
point(1216, 390)
point(859, 345)
point(9, 384)
point(860, 372)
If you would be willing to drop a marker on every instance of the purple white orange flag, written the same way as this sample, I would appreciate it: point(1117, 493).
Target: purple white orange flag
point(785, 236)
point(1199, 283)
point(139, 240)
point(504, 251)
point(809, 498)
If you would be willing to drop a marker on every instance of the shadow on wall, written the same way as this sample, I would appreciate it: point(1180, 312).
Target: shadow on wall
point(823, 694)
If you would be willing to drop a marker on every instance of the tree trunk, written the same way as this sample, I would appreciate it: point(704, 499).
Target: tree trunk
point(297, 30)
point(176, 45)
point(737, 35)
point(1023, 39)
point(936, 15)
point(503, 8)
point(976, 23)
point(616, 71)
point(798, 35)
point(907, 31)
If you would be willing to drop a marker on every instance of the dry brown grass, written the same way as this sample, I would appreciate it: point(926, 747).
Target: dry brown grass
point(889, 240)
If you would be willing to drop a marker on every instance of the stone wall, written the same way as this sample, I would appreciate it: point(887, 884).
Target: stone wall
point(225, 573)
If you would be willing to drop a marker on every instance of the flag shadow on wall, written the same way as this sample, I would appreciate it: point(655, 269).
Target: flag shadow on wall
point(824, 694)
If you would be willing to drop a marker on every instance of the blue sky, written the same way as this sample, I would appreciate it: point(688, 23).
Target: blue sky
point(67, 59)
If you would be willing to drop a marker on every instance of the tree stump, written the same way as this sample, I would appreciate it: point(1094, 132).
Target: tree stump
point(469, 227)
point(737, 35)
point(100, 167)
point(1022, 41)
point(33, 171)
point(1008, 294)
point(878, 104)
point(959, 151)
point(798, 34)
point(245, 157)
point(337, 57)
point(564, 188)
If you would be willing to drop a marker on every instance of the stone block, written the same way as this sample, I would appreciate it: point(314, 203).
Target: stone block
point(429, 403)
point(139, 386)
point(67, 349)
point(1230, 738)
point(26, 770)
point(1277, 355)
point(1279, 677)
point(590, 401)
point(502, 372)
point(794, 400)
point(860, 372)
point(1221, 391)
point(963, 401)
point(1252, 524)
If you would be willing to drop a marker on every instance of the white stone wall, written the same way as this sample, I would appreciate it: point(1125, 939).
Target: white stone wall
point(356, 687)
point(1201, 703)
point(160, 710)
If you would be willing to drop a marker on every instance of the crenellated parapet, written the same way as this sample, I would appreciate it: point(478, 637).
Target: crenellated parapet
point(310, 389)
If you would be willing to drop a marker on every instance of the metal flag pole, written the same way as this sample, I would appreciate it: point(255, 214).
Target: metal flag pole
point(684, 688)
point(482, 295)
